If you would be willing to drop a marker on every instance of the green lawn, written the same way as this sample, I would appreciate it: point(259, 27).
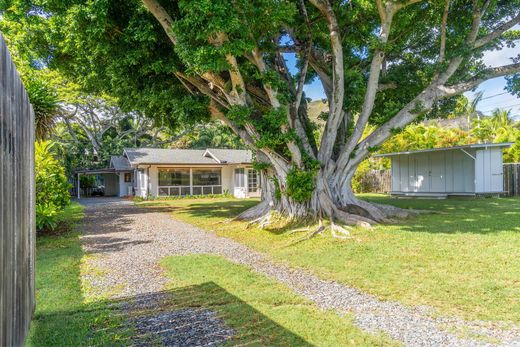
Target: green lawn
point(261, 311)
point(62, 317)
point(462, 261)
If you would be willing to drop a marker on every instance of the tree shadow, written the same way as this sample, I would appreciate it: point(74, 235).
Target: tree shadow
point(218, 209)
point(202, 314)
point(458, 215)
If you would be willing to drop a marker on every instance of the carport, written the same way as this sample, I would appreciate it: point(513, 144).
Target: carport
point(110, 179)
point(118, 178)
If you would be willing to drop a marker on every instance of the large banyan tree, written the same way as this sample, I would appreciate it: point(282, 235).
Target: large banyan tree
point(381, 62)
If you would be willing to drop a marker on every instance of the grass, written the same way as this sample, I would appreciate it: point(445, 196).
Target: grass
point(261, 311)
point(62, 316)
point(462, 261)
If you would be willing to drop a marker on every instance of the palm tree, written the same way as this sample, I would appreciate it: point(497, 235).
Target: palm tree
point(45, 104)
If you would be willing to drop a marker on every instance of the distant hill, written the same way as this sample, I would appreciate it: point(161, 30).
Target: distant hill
point(315, 108)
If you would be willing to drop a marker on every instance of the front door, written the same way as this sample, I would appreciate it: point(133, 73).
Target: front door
point(437, 172)
point(239, 186)
point(422, 174)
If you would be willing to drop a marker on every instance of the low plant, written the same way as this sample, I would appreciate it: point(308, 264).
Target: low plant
point(52, 187)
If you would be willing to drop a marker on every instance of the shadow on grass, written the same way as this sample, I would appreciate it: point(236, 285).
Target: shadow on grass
point(174, 317)
point(458, 215)
point(454, 215)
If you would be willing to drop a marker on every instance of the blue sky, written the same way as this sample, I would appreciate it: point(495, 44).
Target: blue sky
point(494, 94)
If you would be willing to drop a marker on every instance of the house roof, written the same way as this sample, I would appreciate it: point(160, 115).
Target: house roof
point(230, 156)
point(138, 156)
point(473, 146)
point(120, 163)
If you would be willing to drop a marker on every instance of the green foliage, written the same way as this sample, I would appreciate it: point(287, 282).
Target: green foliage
point(300, 185)
point(45, 103)
point(46, 216)
point(52, 194)
point(225, 194)
point(211, 135)
point(277, 190)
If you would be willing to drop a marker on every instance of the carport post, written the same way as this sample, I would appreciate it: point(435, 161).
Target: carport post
point(78, 189)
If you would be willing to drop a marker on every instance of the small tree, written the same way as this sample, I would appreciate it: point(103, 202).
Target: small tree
point(52, 187)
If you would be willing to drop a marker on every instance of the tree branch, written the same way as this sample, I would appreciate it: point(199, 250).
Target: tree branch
point(497, 32)
point(338, 83)
point(162, 17)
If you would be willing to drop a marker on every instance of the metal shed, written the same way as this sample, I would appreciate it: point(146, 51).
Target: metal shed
point(462, 170)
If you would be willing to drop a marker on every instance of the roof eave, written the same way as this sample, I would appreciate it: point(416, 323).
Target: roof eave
point(473, 146)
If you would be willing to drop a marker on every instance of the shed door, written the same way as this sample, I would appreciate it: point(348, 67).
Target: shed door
point(497, 170)
point(437, 172)
point(422, 183)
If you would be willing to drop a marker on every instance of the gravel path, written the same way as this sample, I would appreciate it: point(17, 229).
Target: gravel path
point(131, 240)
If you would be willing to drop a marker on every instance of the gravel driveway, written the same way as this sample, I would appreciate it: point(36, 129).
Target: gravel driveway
point(131, 240)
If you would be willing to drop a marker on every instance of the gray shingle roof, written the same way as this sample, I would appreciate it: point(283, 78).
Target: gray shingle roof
point(119, 163)
point(186, 156)
point(232, 156)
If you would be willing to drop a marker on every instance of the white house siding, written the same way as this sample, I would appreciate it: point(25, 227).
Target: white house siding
point(449, 171)
point(227, 178)
point(124, 187)
point(141, 182)
point(489, 170)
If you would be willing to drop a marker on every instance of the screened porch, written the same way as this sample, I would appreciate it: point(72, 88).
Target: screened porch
point(189, 181)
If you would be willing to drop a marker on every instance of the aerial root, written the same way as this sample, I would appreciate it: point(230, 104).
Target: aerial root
point(338, 231)
point(299, 230)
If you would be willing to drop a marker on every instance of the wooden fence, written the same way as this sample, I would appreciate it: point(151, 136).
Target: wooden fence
point(512, 179)
point(380, 181)
point(375, 181)
point(17, 205)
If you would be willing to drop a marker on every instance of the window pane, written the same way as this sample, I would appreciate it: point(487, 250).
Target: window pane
point(206, 177)
point(217, 190)
point(174, 177)
point(185, 191)
point(239, 177)
point(163, 191)
point(197, 190)
point(252, 181)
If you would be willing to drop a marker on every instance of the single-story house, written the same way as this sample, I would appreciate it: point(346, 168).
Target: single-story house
point(159, 172)
point(463, 170)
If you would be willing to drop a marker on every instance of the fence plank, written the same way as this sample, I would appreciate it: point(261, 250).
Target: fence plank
point(17, 198)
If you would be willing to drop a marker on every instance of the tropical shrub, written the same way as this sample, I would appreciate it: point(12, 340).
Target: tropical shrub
point(52, 187)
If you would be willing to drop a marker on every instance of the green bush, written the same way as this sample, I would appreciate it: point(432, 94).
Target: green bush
point(52, 187)
point(300, 185)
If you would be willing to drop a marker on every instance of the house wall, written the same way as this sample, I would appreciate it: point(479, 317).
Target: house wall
point(111, 184)
point(227, 179)
point(489, 171)
point(141, 182)
point(123, 186)
point(450, 171)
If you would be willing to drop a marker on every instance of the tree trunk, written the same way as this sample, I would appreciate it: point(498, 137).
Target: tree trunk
point(333, 203)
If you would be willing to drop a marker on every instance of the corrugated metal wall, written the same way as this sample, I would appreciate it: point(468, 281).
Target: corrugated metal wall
point(17, 194)
point(383, 180)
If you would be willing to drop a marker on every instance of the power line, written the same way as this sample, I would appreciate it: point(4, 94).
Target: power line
point(492, 96)
point(499, 106)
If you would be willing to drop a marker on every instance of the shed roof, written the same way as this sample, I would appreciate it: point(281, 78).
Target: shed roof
point(187, 156)
point(472, 146)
